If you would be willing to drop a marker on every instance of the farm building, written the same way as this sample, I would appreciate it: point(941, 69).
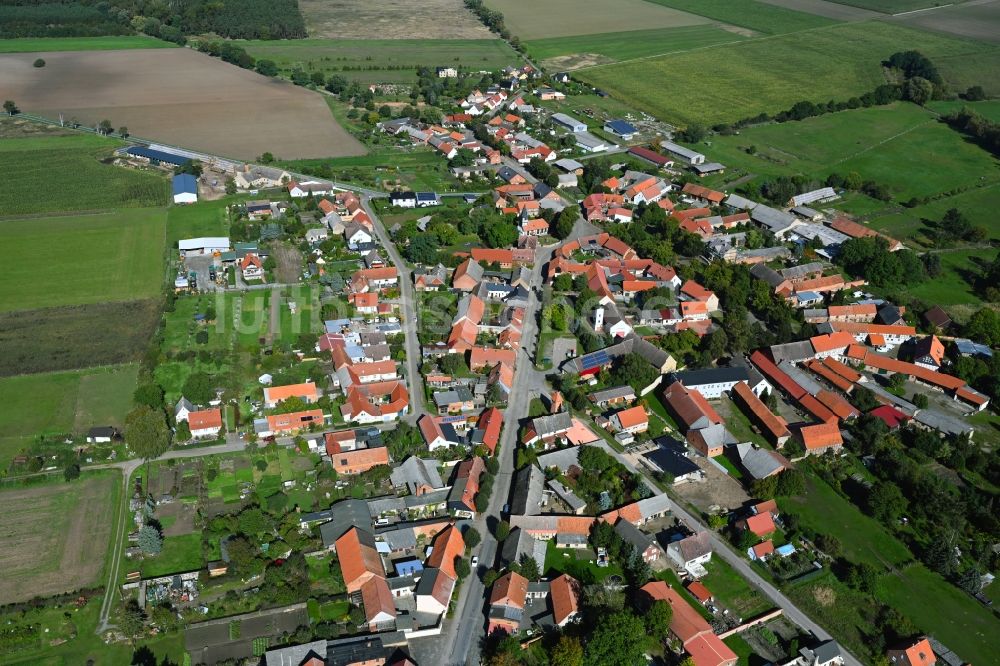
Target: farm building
point(689, 156)
point(569, 122)
point(157, 157)
point(621, 128)
point(590, 143)
point(185, 189)
point(203, 245)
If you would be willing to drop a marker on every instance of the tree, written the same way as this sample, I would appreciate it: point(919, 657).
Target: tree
point(864, 577)
point(568, 651)
point(10, 108)
point(529, 567)
point(146, 432)
point(918, 90)
point(267, 68)
point(617, 640)
point(497, 232)
point(150, 540)
point(253, 522)
point(266, 158)
point(658, 619)
point(975, 94)
point(198, 388)
point(886, 502)
point(920, 400)
point(564, 223)
point(503, 531)
point(423, 249)
point(105, 127)
point(462, 568)
point(123, 132)
point(829, 544)
point(243, 555)
point(38, 63)
point(182, 432)
point(472, 537)
point(984, 327)
point(71, 472)
point(148, 394)
point(132, 622)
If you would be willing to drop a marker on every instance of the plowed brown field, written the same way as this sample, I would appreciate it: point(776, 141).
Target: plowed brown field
point(179, 97)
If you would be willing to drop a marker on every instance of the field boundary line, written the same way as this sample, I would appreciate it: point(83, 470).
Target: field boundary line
point(925, 9)
point(883, 141)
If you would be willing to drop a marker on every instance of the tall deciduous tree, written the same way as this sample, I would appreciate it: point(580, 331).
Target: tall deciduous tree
point(146, 432)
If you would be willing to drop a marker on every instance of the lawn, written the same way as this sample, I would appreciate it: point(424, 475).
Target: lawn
point(900, 145)
point(61, 402)
point(770, 75)
point(180, 329)
point(732, 590)
point(617, 46)
point(382, 60)
point(977, 204)
point(81, 259)
point(953, 287)
point(937, 607)
point(33, 44)
point(578, 563)
point(66, 173)
point(179, 554)
point(759, 16)
point(205, 218)
point(305, 319)
point(863, 538)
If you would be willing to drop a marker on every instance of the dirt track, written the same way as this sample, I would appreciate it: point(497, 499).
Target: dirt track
point(54, 537)
point(180, 97)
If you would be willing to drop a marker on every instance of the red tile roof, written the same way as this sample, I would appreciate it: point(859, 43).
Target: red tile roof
point(448, 544)
point(509, 590)
point(205, 419)
point(564, 594)
point(761, 524)
point(821, 435)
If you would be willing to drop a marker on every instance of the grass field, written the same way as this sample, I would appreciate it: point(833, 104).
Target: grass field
point(750, 14)
point(969, 20)
point(38, 44)
point(383, 60)
point(205, 218)
point(890, 6)
point(771, 74)
point(31, 167)
point(65, 527)
point(989, 109)
point(732, 590)
point(901, 145)
point(80, 259)
point(960, 269)
point(560, 18)
point(938, 607)
point(572, 52)
point(180, 553)
point(977, 204)
point(60, 402)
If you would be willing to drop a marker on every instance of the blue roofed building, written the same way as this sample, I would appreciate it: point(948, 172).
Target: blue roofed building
point(185, 188)
point(157, 157)
point(621, 129)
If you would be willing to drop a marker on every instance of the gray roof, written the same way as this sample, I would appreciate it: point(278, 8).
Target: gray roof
point(612, 393)
point(760, 463)
point(568, 165)
point(343, 516)
point(475, 270)
point(567, 495)
point(294, 655)
point(671, 147)
point(519, 543)
point(562, 459)
point(439, 496)
point(806, 212)
point(552, 423)
point(379, 505)
point(765, 273)
point(941, 422)
point(792, 351)
point(631, 534)
point(740, 203)
point(528, 487)
point(183, 403)
point(800, 377)
point(775, 220)
point(415, 472)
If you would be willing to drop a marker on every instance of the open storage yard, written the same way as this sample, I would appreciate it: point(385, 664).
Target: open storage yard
point(559, 18)
point(770, 75)
point(181, 97)
point(391, 19)
point(55, 536)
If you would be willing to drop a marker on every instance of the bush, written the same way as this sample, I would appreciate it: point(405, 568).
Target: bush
point(38, 63)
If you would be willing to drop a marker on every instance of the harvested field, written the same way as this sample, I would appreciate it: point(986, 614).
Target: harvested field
point(979, 19)
point(391, 19)
point(560, 18)
point(109, 257)
point(830, 10)
point(181, 97)
point(55, 536)
point(63, 338)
